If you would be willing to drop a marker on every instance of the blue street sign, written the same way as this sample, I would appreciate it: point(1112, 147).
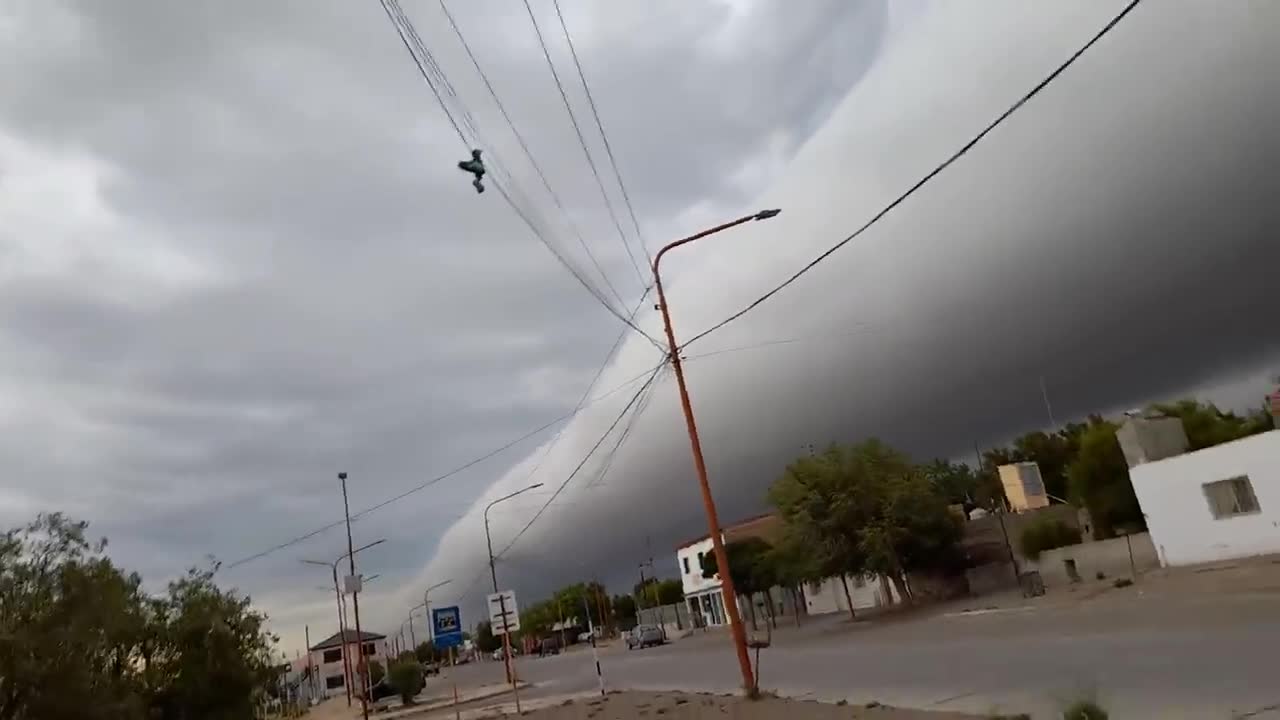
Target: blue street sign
point(446, 623)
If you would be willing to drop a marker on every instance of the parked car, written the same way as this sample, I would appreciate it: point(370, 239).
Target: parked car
point(585, 637)
point(642, 636)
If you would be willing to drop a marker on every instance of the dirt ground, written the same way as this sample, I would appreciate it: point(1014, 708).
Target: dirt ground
point(683, 706)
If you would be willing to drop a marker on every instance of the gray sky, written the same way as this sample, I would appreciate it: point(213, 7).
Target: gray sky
point(235, 258)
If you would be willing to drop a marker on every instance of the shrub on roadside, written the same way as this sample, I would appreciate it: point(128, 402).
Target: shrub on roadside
point(1047, 534)
point(406, 678)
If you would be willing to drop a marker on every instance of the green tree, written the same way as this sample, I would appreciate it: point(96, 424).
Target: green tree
point(486, 641)
point(624, 611)
point(670, 592)
point(750, 569)
point(79, 637)
point(406, 678)
point(376, 672)
point(1099, 479)
point(1206, 425)
point(427, 652)
point(867, 509)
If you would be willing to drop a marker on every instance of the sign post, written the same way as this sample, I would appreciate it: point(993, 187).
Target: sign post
point(504, 617)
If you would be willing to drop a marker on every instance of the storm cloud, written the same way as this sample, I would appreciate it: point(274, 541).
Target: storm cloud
point(235, 258)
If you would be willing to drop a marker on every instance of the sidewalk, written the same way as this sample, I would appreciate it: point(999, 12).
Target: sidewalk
point(438, 699)
point(633, 705)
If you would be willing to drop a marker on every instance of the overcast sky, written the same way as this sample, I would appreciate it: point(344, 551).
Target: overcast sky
point(236, 257)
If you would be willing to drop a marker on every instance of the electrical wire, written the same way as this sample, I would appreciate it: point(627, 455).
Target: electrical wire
point(524, 146)
point(433, 74)
point(445, 476)
point(932, 174)
point(583, 142)
point(630, 403)
point(608, 148)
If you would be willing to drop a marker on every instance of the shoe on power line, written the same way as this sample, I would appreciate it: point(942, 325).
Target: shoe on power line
point(475, 166)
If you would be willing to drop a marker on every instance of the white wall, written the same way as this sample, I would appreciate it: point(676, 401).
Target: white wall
point(1182, 527)
point(1109, 557)
point(828, 595)
point(693, 581)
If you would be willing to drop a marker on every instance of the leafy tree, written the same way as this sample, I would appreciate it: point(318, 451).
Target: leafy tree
point(670, 592)
point(406, 678)
point(376, 672)
point(750, 569)
point(486, 641)
point(624, 611)
point(427, 651)
point(79, 637)
point(867, 509)
point(1206, 425)
point(1047, 534)
point(1100, 481)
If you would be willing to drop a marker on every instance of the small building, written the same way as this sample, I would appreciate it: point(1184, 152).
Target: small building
point(1023, 486)
point(1219, 503)
point(326, 657)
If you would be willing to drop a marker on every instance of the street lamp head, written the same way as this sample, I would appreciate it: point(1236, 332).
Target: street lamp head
point(342, 476)
point(535, 485)
point(766, 214)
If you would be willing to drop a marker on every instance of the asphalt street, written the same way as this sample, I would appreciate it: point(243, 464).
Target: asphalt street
point(1143, 657)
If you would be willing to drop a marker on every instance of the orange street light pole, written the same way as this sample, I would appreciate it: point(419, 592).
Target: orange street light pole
point(713, 521)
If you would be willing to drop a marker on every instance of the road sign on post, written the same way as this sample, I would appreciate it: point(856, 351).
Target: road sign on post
point(502, 605)
point(446, 622)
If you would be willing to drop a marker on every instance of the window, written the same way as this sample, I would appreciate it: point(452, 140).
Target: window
point(1228, 498)
point(369, 649)
point(334, 681)
point(859, 581)
point(685, 560)
point(333, 656)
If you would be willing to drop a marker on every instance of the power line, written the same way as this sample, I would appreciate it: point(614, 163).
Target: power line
point(932, 174)
point(583, 142)
point(572, 475)
point(434, 76)
point(608, 148)
point(439, 478)
point(555, 197)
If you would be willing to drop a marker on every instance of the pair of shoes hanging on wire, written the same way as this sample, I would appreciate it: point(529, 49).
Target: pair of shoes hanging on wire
point(475, 166)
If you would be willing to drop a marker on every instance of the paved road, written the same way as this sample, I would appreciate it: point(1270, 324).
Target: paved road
point(1144, 657)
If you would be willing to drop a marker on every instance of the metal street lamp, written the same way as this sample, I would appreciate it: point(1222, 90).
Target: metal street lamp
point(493, 573)
point(713, 521)
point(426, 603)
point(342, 629)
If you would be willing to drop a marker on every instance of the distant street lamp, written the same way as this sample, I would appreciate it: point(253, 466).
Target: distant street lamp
point(493, 573)
point(342, 629)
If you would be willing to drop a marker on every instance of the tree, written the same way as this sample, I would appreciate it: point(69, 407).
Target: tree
point(866, 509)
point(427, 651)
point(486, 641)
point(1207, 426)
point(80, 638)
point(670, 592)
point(750, 569)
point(406, 678)
point(1099, 478)
point(624, 611)
point(376, 672)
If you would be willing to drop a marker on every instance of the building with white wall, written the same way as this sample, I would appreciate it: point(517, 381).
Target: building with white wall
point(326, 658)
point(1219, 503)
point(702, 595)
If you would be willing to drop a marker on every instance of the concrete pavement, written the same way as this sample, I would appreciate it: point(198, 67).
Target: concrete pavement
point(1143, 654)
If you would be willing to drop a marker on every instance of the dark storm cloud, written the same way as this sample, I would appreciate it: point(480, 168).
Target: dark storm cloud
point(1115, 238)
point(235, 256)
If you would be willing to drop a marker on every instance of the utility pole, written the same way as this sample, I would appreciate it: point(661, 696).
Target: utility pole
point(362, 667)
point(1044, 392)
point(695, 444)
point(311, 672)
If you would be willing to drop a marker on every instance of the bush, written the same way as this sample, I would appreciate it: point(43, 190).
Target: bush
point(376, 672)
point(1047, 535)
point(406, 678)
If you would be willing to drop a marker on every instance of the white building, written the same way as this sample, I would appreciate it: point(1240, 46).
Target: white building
point(326, 658)
point(702, 595)
point(1219, 503)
